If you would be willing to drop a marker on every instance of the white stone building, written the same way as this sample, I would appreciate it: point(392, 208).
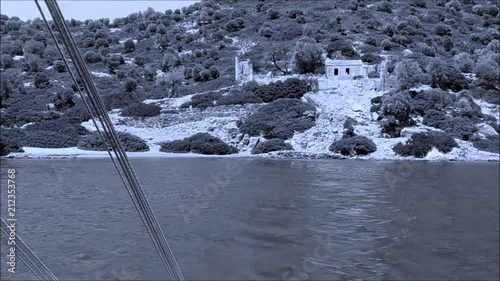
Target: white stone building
point(346, 69)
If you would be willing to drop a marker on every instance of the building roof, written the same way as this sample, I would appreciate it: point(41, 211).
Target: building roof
point(344, 62)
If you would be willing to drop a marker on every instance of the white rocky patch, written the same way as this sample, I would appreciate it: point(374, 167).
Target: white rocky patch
point(100, 74)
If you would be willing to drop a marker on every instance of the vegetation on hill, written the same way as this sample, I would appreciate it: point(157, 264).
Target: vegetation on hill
point(451, 45)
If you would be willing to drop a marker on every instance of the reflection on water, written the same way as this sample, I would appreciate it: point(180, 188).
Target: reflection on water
point(263, 219)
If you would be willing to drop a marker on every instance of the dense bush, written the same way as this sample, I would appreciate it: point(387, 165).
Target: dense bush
point(446, 76)
point(421, 143)
point(464, 106)
point(357, 145)
point(410, 74)
point(203, 101)
point(130, 143)
point(291, 88)
point(271, 145)
point(141, 110)
point(41, 81)
point(201, 143)
point(129, 46)
point(92, 57)
point(490, 96)
point(397, 104)
point(238, 97)
point(273, 14)
point(176, 146)
point(458, 127)
point(130, 85)
point(77, 114)
point(487, 69)
point(11, 139)
point(59, 66)
point(6, 61)
point(371, 59)
point(308, 56)
point(280, 119)
point(119, 100)
point(422, 101)
point(59, 126)
point(4, 149)
point(489, 143)
point(49, 139)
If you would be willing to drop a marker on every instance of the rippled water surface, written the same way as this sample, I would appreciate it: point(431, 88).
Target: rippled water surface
point(259, 219)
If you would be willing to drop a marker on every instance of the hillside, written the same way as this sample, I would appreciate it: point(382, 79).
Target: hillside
point(168, 75)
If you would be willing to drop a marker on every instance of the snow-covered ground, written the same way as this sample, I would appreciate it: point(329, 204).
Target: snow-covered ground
point(344, 99)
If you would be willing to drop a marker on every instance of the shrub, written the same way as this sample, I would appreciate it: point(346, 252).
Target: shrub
point(129, 46)
point(397, 104)
point(4, 149)
point(119, 100)
point(58, 126)
point(130, 143)
point(176, 146)
point(11, 139)
point(465, 106)
point(458, 127)
point(280, 119)
point(308, 56)
point(371, 58)
point(34, 47)
point(88, 42)
point(140, 60)
point(41, 80)
point(201, 143)
point(271, 145)
point(487, 69)
point(141, 110)
point(130, 85)
point(357, 145)
point(446, 76)
point(214, 72)
point(239, 97)
point(203, 101)
point(409, 74)
point(384, 7)
point(421, 143)
point(490, 96)
point(442, 30)
point(205, 75)
point(489, 143)
point(6, 61)
point(273, 14)
point(422, 101)
point(77, 114)
point(92, 57)
point(59, 66)
point(49, 139)
point(232, 26)
point(293, 88)
point(64, 99)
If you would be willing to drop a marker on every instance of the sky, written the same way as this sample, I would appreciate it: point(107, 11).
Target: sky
point(84, 9)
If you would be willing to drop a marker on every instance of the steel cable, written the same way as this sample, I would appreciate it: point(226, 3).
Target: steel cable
point(26, 255)
point(124, 167)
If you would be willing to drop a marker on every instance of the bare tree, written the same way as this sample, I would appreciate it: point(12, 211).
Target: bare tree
point(281, 56)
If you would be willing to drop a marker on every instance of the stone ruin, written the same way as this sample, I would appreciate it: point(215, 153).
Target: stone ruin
point(243, 70)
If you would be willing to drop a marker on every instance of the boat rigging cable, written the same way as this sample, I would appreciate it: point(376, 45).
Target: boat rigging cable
point(26, 255)
point(121, 163)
